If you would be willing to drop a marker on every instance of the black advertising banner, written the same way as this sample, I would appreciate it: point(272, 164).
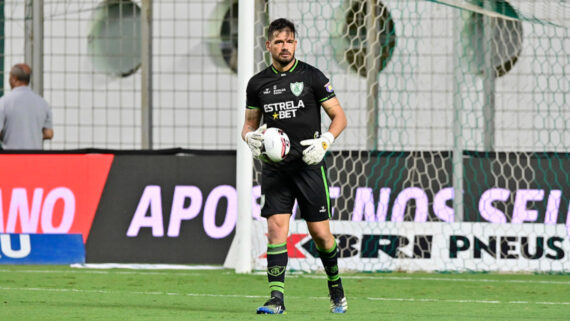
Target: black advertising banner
point(181, 207)
point(166, 209)
point(418, 186)
point(391, 186)
point(517, 187)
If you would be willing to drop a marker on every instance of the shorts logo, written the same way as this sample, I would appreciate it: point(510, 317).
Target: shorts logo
point(296, 88)
point(322, 210)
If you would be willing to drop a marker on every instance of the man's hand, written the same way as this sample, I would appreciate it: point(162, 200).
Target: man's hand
point(254, 140)
point(317, 148)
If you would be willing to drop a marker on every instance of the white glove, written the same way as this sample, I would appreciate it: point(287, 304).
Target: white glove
point(254, 140)
point(317, 148)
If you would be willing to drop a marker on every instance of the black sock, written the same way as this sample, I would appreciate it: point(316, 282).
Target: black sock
point(276, 266)
point(330, 262)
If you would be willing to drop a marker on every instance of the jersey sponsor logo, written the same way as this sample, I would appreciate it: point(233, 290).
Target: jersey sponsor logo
point(328, 87)
point(283, 110)
point(278, 91)
point(296, 88)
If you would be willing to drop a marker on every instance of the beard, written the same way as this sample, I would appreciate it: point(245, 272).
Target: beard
point(282, 61)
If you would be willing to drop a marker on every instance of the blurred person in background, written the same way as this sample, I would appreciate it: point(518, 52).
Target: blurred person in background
point(25, 117)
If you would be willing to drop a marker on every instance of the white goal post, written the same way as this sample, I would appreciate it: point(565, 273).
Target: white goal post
point(239, 256)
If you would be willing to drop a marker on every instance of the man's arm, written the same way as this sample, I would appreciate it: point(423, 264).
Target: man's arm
point(252, 120)
point(47, 128)
point(252, 134)
point(336, 113)
point(47, 133)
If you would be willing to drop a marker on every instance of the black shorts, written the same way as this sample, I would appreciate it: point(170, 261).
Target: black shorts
point(307, 184)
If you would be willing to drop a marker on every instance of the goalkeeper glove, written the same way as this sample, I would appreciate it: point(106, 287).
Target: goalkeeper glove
point(317, 148)
point(254, 140)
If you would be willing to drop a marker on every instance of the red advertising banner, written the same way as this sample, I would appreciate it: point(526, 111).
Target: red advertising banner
point(51, 193)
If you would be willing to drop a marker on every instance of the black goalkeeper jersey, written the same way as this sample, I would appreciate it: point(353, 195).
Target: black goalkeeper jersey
point(291, 101)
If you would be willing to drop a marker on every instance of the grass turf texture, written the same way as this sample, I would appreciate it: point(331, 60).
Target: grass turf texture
point(64, 293)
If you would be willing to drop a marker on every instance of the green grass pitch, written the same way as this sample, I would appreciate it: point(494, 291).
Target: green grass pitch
point(65, 293)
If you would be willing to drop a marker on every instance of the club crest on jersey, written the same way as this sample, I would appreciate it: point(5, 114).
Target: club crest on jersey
point(296, 88)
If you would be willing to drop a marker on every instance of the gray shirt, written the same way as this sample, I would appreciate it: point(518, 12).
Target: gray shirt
point(23, 115)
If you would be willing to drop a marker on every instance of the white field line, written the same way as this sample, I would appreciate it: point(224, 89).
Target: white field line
point(140, 272)
point(294, 275)
point(159, 293)
point(438, 279)
point(145, 266)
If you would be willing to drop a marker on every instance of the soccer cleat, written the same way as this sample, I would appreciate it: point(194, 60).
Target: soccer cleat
point(272, 306)
point(338, 300)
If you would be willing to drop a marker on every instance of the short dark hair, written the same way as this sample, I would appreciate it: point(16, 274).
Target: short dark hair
point(278, 25)
point(21, 73)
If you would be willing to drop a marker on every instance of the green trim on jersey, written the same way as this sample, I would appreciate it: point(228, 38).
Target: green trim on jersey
point(252, 107)
point(290, 70)
point(326, 98)
point(294, 66)
point(326, 191)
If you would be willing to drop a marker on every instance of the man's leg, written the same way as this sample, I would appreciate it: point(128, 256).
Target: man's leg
point(277, 230)
point(328, 251)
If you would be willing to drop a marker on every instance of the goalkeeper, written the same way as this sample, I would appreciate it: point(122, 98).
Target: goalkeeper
point(289, 95)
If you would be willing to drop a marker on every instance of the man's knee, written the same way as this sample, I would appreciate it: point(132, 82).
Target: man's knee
point(277, 228)
point(323, 238)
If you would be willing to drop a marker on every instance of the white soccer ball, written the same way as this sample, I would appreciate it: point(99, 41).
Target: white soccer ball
point(276, 144)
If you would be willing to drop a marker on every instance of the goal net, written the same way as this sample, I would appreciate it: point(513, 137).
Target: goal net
point(456, 152)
